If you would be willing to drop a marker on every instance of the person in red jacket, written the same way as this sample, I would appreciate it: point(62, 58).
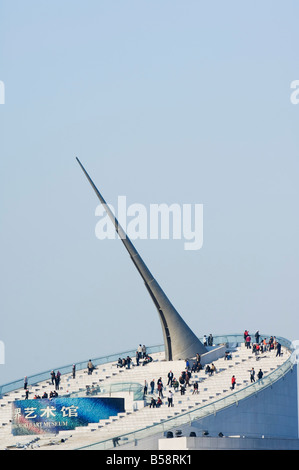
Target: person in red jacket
point(233, 382)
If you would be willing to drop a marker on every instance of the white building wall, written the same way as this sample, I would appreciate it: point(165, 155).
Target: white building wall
point(226, 443)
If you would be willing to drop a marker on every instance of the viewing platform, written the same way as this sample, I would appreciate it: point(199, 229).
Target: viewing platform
point(140, 422)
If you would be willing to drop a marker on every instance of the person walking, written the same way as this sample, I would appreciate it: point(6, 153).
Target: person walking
point(58, 376)
point(257, 337)
point(52, 377)
point(252, 375)
point(139, 350)
point(170, 398)
point(137, 358)
point(160, 389)
point(129, 360)
point(170, 378)
point(278, 349)
point(56, 382)
point(233, 381)
point(90, 367)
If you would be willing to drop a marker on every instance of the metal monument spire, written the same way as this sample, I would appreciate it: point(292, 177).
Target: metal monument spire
point(180, 342)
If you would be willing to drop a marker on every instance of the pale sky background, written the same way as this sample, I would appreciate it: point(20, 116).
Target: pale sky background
point(163, 101)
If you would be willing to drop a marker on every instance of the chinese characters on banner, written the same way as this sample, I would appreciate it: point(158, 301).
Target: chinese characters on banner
point(42, 416)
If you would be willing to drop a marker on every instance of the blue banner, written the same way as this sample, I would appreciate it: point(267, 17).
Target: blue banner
point(42, 416)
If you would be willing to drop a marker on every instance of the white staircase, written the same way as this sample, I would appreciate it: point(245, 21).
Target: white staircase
point(211, 388)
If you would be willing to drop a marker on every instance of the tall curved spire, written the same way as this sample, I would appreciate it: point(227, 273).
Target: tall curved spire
point(180, 342)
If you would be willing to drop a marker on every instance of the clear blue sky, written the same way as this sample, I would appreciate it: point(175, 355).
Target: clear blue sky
point(163, 101)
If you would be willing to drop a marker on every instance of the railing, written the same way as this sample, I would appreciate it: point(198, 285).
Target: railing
point(131, 387)
point(41, 377)
point(204, 410)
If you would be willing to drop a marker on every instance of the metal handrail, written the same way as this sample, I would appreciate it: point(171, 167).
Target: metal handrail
point(131, 387)
point(41, 377)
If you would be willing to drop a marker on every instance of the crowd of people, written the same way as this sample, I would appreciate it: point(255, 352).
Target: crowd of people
point(257, 346)
point(52, 394)
point(141, 357)
point(262, 345)
point(55, 380)
point(208, 341)
point(173, 383)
